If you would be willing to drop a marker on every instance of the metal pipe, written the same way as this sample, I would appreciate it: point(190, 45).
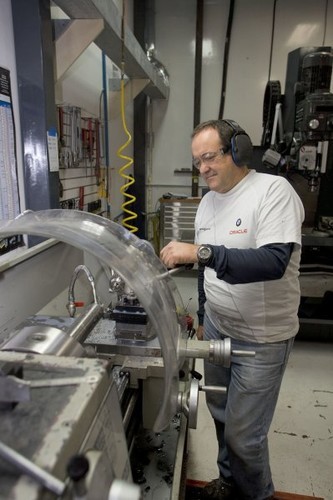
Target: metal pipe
point(213, 388)
point(129, 410)
point(105, 116)
point(196, 349)
point(71, 300)
point(243, 354)
point(79, 331)
point(175, 270)
point(27, 467)
point(197, 82)
point(216, 351)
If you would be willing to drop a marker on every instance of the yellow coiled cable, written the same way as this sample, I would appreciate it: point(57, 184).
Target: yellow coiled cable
point(129, 180)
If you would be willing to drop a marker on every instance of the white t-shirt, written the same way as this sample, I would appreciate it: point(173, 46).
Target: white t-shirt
point(259, 210)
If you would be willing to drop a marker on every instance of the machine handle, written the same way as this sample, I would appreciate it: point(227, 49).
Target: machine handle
point(27, 467)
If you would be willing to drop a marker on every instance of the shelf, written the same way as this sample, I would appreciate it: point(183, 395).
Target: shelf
point(183, 171)
point(109, 40)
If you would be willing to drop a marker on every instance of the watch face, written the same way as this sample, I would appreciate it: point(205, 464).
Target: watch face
point(204, 254)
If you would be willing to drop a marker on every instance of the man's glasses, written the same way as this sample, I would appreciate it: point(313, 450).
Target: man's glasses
point(208, 158)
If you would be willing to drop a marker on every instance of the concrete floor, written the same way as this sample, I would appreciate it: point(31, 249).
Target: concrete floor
point(301, 435)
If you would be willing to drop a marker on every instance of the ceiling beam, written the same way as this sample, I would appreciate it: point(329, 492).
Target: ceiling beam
point(120, 49)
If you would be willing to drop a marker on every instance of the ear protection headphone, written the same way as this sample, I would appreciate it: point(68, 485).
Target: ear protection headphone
point(241, 145)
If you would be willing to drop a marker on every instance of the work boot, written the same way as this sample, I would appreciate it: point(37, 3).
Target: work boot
point(219, 489)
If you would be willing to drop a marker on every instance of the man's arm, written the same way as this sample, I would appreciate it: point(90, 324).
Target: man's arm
point(236, 266)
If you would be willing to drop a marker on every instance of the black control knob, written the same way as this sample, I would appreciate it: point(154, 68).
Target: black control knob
point(77, 469)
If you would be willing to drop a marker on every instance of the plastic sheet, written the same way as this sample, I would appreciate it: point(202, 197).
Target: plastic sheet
point(136, 263)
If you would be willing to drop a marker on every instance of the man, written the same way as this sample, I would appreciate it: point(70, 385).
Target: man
point(248, 245)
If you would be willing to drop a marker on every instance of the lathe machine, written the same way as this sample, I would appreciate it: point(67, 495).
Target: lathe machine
point(96, 404)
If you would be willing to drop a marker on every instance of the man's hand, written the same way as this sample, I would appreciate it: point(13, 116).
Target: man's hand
point(178, 253)
point(200, 332)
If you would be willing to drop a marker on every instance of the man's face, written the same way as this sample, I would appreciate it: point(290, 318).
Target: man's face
point(216, 168)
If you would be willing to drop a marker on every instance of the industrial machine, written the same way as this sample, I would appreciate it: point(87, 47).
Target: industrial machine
point(298, 143)
point(298, 125)
point(97, 405)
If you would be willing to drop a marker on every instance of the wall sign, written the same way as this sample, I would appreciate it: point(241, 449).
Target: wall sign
point(9, 197)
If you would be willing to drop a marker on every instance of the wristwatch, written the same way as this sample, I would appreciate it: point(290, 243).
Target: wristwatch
point(204, 254)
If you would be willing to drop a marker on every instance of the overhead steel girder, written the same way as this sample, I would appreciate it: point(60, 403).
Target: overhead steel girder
point(73, 40)
point(136, 63)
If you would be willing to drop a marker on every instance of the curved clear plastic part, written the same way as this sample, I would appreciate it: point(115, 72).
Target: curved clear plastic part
point(137, 264)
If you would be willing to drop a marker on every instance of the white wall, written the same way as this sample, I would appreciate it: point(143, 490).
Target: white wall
point(298, 23)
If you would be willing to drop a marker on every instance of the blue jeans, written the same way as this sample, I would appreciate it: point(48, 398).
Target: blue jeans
point(242, 417)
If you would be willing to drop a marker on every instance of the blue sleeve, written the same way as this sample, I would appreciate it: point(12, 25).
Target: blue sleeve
point(201, 295)
point(236, 266)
